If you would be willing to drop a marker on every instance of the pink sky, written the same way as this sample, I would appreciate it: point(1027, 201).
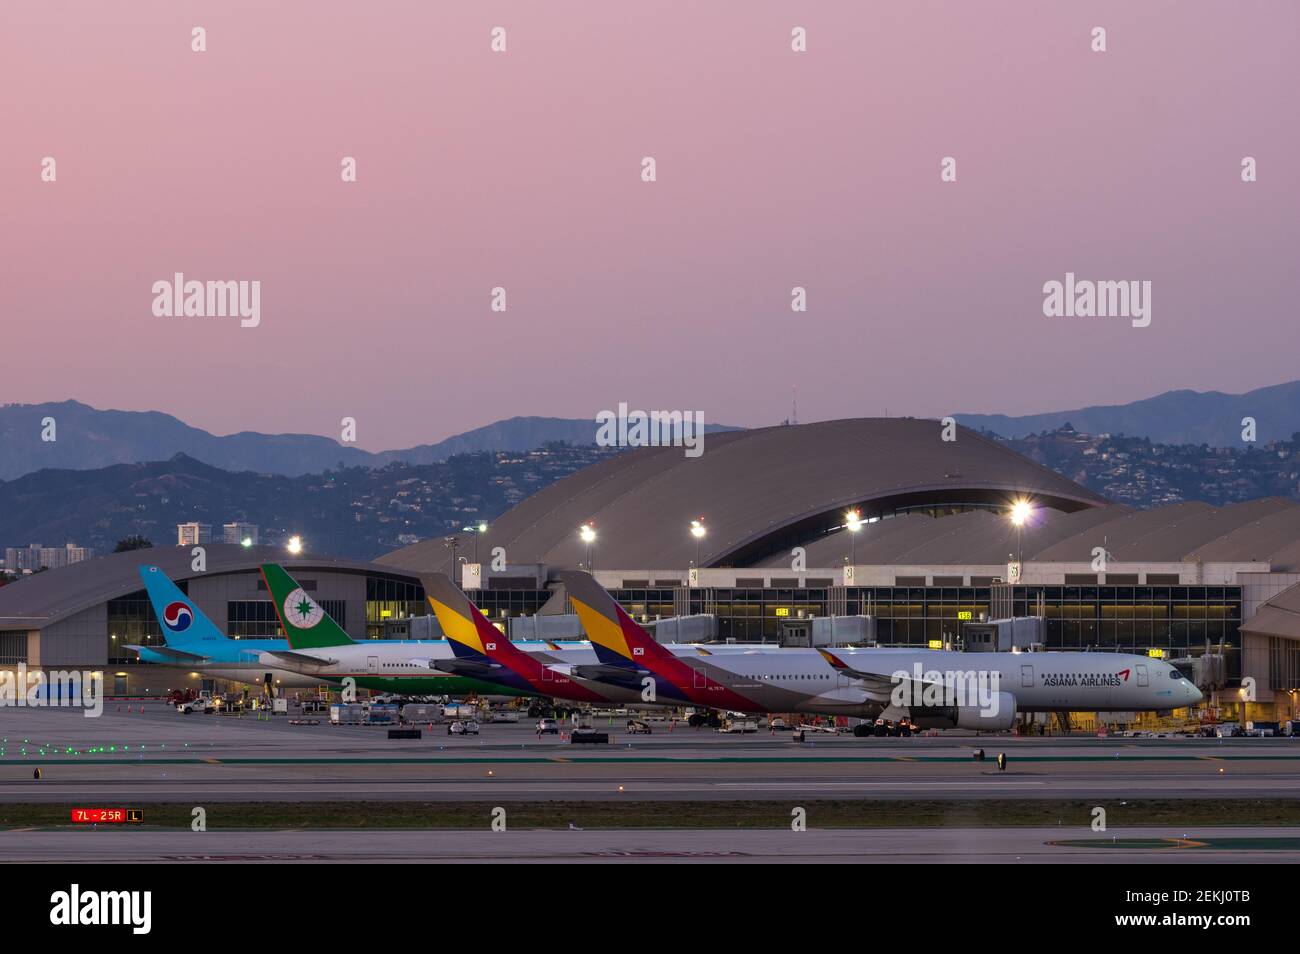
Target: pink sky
point(522, 170)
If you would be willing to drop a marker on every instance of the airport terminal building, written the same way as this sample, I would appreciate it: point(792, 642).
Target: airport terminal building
point(932, 558)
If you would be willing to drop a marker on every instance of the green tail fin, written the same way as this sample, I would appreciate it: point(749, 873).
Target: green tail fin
point(305, 623)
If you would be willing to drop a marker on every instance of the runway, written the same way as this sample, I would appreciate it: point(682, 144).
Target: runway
point(851, 846)
point(160, 755)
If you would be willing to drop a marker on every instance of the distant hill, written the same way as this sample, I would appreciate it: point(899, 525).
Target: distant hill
point(1175, 417)
point(514, 434)
point(89, 438)
point(358, 512)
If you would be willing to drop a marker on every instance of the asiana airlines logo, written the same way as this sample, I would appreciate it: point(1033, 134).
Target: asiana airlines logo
point(1086, 679)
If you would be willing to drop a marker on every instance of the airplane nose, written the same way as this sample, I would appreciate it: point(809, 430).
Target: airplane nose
point(1194, 695)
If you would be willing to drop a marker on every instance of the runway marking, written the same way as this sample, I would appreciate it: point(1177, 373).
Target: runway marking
point(794, 759)
point(863, 783)
point(1213, 843)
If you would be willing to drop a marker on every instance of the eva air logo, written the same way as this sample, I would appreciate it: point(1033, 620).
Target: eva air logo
point(301, 610)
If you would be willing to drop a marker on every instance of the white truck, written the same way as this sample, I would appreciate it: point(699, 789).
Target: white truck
point(202, 704)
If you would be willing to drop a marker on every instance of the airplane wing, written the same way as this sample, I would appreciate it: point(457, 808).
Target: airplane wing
point(469, 668)
point(176, 654)
point(299, 659)
point(878, 685)
point(612, 675)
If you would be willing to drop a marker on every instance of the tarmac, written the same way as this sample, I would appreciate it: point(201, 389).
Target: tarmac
point(153, 753)
point(839, 846)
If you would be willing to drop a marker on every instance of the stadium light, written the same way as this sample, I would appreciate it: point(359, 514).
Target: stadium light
point(587, 533)
point(295, 544)
point(1021, 511)
point(246, 542)
point(853, 522)
point(478, 530)
point(698, 531)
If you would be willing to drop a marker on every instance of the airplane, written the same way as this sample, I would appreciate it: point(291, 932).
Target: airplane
point(482, 651)
point(193, 642)
point(571, 672)
point(935, 689)
point(319, 647)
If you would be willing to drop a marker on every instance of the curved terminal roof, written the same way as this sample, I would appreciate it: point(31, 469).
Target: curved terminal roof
point(1273, 538)
point(759, 492)
point(1258, 531)
point(1278, 617)
point(37, 600)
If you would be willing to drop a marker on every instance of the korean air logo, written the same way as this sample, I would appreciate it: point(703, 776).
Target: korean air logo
point(177, 617)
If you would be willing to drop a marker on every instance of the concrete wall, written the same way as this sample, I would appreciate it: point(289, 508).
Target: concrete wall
point(213, 592)
point(79, 641)
point(1044, 574)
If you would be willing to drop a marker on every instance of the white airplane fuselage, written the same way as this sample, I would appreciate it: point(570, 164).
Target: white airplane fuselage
point(804, 680)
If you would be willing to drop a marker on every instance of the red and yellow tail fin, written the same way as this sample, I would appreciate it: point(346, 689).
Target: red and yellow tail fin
point(466, 628)
point(616, 637)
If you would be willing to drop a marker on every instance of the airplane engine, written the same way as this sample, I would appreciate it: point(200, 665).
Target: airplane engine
point(1000, 717)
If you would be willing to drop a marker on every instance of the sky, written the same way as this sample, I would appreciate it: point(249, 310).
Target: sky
point(523, 170)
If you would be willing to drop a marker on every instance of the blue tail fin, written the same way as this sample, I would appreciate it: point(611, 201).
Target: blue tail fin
point(183, 625)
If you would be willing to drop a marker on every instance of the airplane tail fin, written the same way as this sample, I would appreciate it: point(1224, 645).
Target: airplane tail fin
point(183, 625)
point(616, 638)
point(306, 624)
point(468, 631)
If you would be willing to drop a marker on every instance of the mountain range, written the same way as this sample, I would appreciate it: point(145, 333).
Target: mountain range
point(1175, 417)
point(356, 512)
point(89, 438)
